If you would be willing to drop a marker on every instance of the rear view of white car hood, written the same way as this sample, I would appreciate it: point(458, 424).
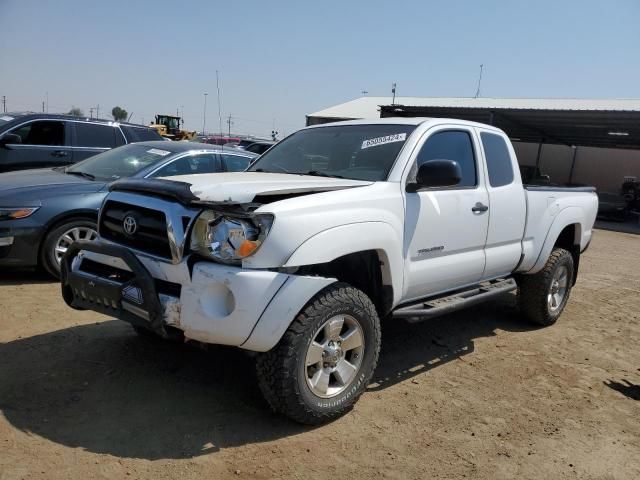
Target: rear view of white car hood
point(242, 187)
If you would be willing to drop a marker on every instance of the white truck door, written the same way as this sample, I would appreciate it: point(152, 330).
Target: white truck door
point(507, 204)
point(445, 228)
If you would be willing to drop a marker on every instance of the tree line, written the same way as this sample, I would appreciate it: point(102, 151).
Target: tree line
point(119, 114)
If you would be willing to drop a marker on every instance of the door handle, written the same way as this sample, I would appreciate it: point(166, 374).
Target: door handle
point(59, 153)
point(479, 207)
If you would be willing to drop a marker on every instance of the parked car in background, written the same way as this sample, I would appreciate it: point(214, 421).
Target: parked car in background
point(260, 147)
point(37, 140)
point(43, 211)
point(612, 206)
point(245, 142)
point(218, 140)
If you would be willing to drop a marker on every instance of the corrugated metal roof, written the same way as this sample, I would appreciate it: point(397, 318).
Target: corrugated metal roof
point(368, 107)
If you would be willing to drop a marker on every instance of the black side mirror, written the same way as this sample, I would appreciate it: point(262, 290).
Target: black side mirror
point(10, 138)
point(436, 173)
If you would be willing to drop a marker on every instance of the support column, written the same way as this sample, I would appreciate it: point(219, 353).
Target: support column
point(573, 162)
point(538, 158)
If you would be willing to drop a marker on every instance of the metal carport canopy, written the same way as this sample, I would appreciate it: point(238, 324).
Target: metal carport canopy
point(573, 122)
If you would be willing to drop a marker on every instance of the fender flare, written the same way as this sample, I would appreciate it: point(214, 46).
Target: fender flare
point(352, 238)
point(324, 247)
point(567, 216)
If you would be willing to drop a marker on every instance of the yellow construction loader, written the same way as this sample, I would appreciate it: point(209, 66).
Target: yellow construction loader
point(169, 127)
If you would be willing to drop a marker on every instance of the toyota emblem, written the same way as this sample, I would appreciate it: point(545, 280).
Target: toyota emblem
point(130, 225)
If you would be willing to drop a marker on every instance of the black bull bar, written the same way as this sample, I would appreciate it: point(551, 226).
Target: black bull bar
point(88, 291)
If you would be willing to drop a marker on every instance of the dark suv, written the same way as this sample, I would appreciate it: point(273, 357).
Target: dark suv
point(36, 140)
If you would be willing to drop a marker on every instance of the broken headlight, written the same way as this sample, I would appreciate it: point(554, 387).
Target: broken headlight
point(229, 239)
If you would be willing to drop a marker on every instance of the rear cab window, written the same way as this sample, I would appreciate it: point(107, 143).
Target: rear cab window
point(498, 158)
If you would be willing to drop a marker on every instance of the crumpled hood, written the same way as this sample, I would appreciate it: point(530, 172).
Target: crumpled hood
point(242, 187)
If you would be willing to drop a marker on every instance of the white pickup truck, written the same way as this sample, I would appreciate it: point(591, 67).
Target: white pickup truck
point(332, 229)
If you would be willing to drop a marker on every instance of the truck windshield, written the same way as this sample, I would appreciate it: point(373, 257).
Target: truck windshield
point(358, 152)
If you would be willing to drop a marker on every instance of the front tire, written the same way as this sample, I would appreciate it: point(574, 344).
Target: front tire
point(543, 295)
point(58, 240)
point(325, 359)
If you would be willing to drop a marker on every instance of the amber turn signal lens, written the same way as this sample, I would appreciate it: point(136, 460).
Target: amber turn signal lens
point(22, 213)
point(246, 248)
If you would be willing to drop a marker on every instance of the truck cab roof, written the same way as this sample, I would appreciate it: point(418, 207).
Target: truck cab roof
point(408, 121)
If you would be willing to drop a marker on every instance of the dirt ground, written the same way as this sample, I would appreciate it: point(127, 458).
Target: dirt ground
point(477, 394)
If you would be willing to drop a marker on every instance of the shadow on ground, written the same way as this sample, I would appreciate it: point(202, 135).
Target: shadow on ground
point(25, 277)
point(626, 388)
point(409, 349)
point(101, 388)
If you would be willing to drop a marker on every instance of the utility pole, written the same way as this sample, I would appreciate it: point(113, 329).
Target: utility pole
point(43, 107)
point(479, 81)
point(47, 99)
point(91, 112)
point(98, 111)
point(229, 122)
point(204, 115)
point(4, 104)
point(219, 108)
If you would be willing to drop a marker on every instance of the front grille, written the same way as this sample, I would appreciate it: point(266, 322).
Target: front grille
point(150, 234)
point(105, 271)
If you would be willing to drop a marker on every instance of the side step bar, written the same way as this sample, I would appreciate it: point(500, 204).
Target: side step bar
point(433, 307)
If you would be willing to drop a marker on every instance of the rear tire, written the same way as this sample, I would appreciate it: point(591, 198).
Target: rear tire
point(325, 359)
point(543, 295)
point(60, 237)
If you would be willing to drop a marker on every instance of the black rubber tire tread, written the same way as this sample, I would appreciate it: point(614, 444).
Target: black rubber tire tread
point(533, 289)
point(277, 368)
point(46, 261)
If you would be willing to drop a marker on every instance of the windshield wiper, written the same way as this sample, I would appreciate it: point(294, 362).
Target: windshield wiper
point(317, 173)
point(81, 174)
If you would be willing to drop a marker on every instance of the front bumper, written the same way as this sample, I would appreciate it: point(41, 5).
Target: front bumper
point(18, 244)
point(128, 294)
point(212, 303)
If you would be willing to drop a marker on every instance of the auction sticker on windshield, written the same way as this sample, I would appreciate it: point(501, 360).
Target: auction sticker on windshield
point(157, 151)
point(374, 142)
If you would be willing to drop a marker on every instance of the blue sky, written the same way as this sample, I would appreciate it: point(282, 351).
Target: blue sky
point(279, 60)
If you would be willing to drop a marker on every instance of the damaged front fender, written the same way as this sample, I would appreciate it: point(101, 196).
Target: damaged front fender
point(248, 308)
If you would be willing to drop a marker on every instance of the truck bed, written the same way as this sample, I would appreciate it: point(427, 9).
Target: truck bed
point(549, 207)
